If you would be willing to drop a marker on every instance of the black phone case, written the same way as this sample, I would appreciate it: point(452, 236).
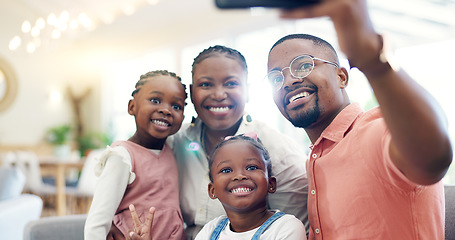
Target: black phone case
point(226, 4)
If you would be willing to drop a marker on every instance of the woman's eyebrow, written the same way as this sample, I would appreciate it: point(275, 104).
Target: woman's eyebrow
point(156, 92)
point(204, 78)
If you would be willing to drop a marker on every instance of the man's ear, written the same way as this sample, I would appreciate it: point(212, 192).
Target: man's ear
point(343, 77)
point(191, 93)
point(131, 107)
point(211, 191)
point(272, 184)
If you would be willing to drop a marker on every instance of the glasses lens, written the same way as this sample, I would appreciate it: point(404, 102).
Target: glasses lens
point(302, 66)
point(275, 79)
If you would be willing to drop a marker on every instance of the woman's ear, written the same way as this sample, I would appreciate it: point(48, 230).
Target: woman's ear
point(131, 107)
point(211, 191)
point(343, 77)
point(272, 184)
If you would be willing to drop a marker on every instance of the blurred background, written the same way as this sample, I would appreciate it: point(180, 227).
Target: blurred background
point(74, 63)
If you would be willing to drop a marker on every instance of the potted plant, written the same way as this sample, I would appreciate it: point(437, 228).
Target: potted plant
point(59, 136)
point(93, 140)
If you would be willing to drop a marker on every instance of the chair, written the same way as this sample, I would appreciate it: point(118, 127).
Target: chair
point(449, 191)
point(85, 188)
point(70, 227)
point(87, 180)
point(8, 158)
point(28, 162)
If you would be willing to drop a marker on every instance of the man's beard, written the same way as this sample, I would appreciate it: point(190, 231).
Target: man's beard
point(304, 119)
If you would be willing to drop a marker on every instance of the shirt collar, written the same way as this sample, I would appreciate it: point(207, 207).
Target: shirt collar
point(194, 130)
point(342, 123)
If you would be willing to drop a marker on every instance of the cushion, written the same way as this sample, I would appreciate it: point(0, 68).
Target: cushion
point(12, 182)
point(15, 213)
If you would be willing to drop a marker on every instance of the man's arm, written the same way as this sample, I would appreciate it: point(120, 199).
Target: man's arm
point(420, 145)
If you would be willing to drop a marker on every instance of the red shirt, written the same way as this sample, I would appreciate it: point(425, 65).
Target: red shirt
point(356, 192)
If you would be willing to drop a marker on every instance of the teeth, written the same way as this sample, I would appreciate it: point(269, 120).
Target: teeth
point(300, 95)
point(218, 109)
point(161, 123)
point(241, 190)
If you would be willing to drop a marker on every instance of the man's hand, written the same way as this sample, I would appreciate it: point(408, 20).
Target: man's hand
point(142, 231)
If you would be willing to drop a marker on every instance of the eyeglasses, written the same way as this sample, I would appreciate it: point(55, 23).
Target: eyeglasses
point(300, 67)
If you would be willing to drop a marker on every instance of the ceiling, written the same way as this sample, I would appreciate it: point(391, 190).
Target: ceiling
point(409, 21)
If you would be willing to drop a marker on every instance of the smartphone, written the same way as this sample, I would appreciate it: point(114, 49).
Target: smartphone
point(232, 4)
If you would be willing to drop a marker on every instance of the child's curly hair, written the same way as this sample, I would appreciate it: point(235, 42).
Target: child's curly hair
point(256, 143)
point(145, 78)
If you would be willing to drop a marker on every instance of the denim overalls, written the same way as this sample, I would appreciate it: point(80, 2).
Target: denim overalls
point(264, 226)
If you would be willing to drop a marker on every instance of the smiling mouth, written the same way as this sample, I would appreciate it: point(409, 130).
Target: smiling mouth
point(241, 190)
point(298, 96)
point(219, 109)
point(161, 123)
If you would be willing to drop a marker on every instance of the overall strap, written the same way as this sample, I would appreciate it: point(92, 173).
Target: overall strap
point(219, 229)
point(266, 225)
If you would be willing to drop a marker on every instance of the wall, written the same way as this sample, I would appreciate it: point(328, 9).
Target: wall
point(82, 63)
point(54, 68)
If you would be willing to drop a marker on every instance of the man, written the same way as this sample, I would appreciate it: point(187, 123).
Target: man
point(375, 174)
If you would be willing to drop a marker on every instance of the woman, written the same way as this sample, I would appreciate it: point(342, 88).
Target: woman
point(219, 94)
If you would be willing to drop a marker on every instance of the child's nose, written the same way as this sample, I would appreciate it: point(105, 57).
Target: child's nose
point(240, 176)
point(165, 111)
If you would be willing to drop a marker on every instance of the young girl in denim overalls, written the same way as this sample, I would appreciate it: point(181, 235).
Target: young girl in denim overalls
point(241, 178)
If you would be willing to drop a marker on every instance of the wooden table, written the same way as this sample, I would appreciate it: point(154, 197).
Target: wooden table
point(59, 167)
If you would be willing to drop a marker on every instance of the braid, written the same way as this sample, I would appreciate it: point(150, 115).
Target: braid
point(146, 77)
point(220, 50)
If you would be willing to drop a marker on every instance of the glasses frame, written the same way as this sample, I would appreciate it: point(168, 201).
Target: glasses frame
point(290, 64)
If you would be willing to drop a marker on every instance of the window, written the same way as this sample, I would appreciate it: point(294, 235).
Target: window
point(431, 65)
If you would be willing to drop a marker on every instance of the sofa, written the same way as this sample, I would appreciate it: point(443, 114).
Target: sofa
point(16, 208)
point(71, 227)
